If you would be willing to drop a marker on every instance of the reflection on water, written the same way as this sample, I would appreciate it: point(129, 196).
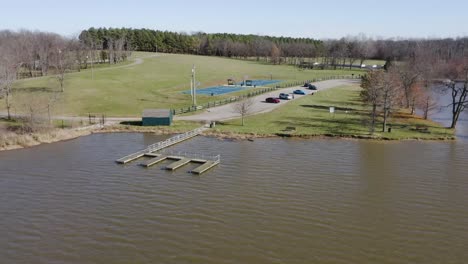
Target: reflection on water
point(270, 201)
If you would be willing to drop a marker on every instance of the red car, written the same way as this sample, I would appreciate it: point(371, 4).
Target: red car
point(272, 100)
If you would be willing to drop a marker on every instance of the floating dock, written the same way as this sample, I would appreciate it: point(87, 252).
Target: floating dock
point(153, 161)
point(205, 166)
point(161, 145)
point(179, 163)
point(180, 159)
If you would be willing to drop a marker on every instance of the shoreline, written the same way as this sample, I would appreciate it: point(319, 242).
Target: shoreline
point(59, 135)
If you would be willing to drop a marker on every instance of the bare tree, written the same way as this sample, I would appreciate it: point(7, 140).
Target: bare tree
point(275, 54)
point(390, 85)
point(371, 94)
point(9, 64)
point(409, 76)
point(63, 61)
point(428, 104)
point(45, 47)
point(456, 73)
point(244, 107)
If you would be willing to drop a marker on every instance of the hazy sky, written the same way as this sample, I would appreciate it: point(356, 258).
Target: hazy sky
point(296, 18)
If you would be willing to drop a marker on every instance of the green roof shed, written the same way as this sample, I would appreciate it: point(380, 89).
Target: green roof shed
point(157, 117)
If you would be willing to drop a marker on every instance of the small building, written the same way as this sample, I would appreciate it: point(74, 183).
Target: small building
point(156, 117)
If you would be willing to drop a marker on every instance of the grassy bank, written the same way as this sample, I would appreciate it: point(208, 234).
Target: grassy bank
point(11, 138)
point(158, 82)
point(310, 116)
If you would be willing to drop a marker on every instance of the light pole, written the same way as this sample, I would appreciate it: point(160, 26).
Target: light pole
point(92, 72)
point(194, 87)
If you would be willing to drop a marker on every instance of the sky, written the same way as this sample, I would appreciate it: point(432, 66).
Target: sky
point(294, 18)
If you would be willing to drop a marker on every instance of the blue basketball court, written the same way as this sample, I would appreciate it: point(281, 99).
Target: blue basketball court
point(216, 90)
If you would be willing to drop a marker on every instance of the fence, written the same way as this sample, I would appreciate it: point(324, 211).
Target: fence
point(258, 91)
point(173, 140)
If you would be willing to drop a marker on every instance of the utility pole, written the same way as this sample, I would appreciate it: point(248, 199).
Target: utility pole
point(92, 70)
point(193, 86)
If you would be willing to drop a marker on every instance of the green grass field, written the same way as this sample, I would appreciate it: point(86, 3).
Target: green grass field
point(155, 83)
point(310, 116)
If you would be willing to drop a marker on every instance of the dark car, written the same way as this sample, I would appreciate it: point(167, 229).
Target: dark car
point(306, 84)
point(272, 100)
point(312, 87)
point(298, 92)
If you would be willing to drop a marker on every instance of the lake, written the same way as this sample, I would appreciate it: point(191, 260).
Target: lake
point(269, 201)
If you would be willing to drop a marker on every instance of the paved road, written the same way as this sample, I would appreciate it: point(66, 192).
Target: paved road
point(226, 112)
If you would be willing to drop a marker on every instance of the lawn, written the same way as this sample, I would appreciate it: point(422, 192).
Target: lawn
point(158, 82)
point(310, 116)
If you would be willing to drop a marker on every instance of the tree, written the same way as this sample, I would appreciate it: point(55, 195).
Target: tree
point(427, 104)
point(9, 64)
point(456, 72)
point(381, 88)
point(409, 75)
point(390, 85)
point(244, 107)
point(275, 54)
point(371, 94)
point(64, 59)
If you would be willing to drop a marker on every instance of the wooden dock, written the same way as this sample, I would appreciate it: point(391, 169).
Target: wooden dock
point(205, 167)
point(131, 157)
point(177, 164)
point(161, 145)
point(151, 162)
point(207, 162)
point(180, 161)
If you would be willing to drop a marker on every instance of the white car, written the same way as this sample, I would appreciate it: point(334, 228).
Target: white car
point(285, 96)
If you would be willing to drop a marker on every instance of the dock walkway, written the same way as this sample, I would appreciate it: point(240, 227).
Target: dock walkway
point(180, 159)
point(161, 145)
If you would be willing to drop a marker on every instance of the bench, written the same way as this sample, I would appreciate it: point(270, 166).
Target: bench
point(290, 129)
point(422, 128)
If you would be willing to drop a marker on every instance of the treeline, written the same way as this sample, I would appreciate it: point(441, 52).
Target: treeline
point(223, 44)
point(306, 52)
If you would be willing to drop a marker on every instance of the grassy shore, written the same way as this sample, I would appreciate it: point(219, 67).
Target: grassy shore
point(157, 82)
point(14, 139)
point(310, 117)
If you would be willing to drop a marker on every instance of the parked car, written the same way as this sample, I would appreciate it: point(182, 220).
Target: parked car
point(285, 96)
point(306, 84)
point(312, 87)
point(298, 92)
point(272, 100)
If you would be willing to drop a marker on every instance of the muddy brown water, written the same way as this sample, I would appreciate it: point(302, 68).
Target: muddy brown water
point(270, 201)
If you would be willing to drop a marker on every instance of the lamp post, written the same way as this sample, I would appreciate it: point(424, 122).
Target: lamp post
point(92, 72)
point(194, 87)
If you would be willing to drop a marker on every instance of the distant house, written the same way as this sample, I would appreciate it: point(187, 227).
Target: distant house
point(157, 117)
